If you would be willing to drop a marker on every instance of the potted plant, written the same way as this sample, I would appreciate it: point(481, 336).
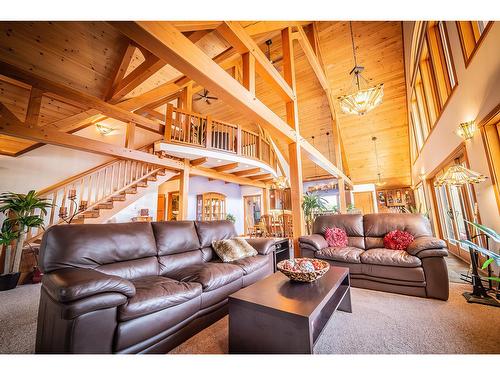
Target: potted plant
point(231, 218)
point(8, 280)
point(19, 210)
point(311, 204)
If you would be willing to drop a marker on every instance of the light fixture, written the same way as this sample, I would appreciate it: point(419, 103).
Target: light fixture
point(379, 180)
point(363, 98)
point(467, 129)
point(104, 129)
point(459, 175)
point(280, 183)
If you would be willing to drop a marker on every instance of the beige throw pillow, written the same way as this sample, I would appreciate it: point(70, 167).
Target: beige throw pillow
point(233, 249)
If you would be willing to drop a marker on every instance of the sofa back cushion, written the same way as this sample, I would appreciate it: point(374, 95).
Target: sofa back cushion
point(178, 245)
point(376, 226)
point(352, 224)
point(209, 231)
point(126, 250)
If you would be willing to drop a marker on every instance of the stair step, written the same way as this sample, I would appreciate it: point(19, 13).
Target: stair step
point(142, 184)
point(120, 197)
point(152, 178)
point(105, 206)
point(130, 191)
point(89, 214)
point(161, 172)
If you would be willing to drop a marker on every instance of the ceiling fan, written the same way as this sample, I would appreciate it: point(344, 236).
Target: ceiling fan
point(204, 96)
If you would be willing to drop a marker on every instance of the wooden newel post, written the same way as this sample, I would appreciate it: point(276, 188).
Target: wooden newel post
point(209, 131)
point(168, 122)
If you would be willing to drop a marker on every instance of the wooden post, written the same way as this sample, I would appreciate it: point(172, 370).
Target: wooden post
point(130, 135)
point(265, 201)
point(168, 122)
point(249, 72)
point(342, 200)
point(186, 98)
point(209, 131)
point(184, 190)
point(238, 140)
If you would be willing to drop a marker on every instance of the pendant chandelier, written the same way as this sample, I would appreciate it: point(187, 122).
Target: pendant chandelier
point(363, 98)
point(458, 175)
point(379, 181)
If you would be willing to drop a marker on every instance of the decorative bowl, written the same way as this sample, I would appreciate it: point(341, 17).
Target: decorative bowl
point(303, 269)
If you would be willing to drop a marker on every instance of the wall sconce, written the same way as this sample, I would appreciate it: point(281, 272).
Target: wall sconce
point(104, 129)
point(467, 129)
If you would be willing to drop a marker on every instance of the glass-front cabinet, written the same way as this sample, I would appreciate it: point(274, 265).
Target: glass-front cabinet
point(210, 206)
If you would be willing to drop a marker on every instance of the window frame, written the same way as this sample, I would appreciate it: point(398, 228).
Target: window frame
point(466, 55)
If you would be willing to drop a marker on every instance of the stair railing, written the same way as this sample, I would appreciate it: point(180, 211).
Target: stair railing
point(86, 191)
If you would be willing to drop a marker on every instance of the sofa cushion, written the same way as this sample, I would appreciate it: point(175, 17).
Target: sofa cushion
point(233, 249)
point(210, 275)
point(155, 293)
point(341, 254)
point(397, 240)
point(251, 264)
point(352, 224)
point(387, 257)
point(173, 237)
point(336, 237)
point(209, 231)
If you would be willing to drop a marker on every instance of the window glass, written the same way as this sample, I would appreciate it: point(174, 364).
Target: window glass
point(447, 54)
point(418, 127)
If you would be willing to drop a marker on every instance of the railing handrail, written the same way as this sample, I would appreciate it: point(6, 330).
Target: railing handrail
point(225, 123)
point(250, 132)
point(81, 175)
point(189, 113)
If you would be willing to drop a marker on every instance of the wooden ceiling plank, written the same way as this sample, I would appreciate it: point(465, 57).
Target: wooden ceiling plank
point(64, 92)
point(121, 69)
point(236, 35)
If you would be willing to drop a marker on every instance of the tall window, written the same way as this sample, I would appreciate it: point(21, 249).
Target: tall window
point(471, 35)
point(433, 82)
point(491, 138)
point(420, 198)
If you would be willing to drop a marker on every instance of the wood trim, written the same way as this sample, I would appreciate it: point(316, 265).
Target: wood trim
point(468, 60)
point(246, 172)
point(184, 190)
point(198, 161)
point(230, 177)
point(226, 167)
point(130, 135)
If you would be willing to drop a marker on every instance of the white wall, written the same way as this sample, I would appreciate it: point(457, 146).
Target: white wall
point(149, 201)
point(477, 93)
point(48, 165)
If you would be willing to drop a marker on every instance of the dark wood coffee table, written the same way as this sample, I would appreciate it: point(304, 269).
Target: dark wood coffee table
point(276, 315)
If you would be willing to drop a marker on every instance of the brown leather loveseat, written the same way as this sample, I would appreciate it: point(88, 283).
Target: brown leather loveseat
point(137, 287)
point(419, 271)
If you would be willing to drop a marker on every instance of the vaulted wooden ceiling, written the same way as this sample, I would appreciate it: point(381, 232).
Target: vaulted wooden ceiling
point(85, 56)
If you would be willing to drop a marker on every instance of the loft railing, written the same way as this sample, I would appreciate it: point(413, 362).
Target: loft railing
point(86, 191)
point(194, 129)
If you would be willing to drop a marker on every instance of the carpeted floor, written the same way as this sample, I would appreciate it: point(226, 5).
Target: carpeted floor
point(381, 323)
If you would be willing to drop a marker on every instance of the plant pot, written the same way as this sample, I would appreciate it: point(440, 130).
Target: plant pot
point(9, 281)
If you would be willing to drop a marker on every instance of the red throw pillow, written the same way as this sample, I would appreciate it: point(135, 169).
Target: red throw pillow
point(336, 237)
point(398, 240)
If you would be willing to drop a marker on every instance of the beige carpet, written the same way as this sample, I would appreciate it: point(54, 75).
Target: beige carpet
point(385, 323)
point(380, 323)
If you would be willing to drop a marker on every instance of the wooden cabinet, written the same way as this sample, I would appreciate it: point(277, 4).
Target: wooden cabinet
point(210, 206)
point(280, 199)
point(395, 199)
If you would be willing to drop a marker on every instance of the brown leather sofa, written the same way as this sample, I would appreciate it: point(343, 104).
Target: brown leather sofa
point(419, 271)
point(137, 287)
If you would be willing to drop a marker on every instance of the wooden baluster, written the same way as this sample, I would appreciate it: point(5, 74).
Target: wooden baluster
point(188, 128)
point(168, 122)
point(208, 126)
point(89, 191)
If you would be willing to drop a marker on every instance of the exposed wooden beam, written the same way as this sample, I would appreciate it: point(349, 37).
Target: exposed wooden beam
point(89, 101)
point(313, 59)
point(121, 69)
point(261, 27)
point(195, 25)
point(230, 177)
point(247, 172)
point(226, 167)
point(15, 128)
point(261, 176)
point(186, 97)
point(199, 161)
point(197, 35)
point(166, 42)
point(77, 121)
point(236, 35)
point(34, 106)
point(159, 93)
point(150, 66)
point(130, 135)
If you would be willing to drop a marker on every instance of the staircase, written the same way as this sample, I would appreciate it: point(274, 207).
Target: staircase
point(97, 194)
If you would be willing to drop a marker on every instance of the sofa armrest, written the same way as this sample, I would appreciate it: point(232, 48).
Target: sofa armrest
point(71, 284)
point(425, 245)
point(316, 241)
point(263, 245)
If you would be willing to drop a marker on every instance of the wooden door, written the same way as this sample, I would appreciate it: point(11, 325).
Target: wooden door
point(160, 212)
point(364, 201)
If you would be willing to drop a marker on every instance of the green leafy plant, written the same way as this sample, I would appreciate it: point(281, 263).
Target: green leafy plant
point(311, 204)
point(6, 239)
point(419, 210)
point(493, 257)
point(19, 210)
point(231, 218)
